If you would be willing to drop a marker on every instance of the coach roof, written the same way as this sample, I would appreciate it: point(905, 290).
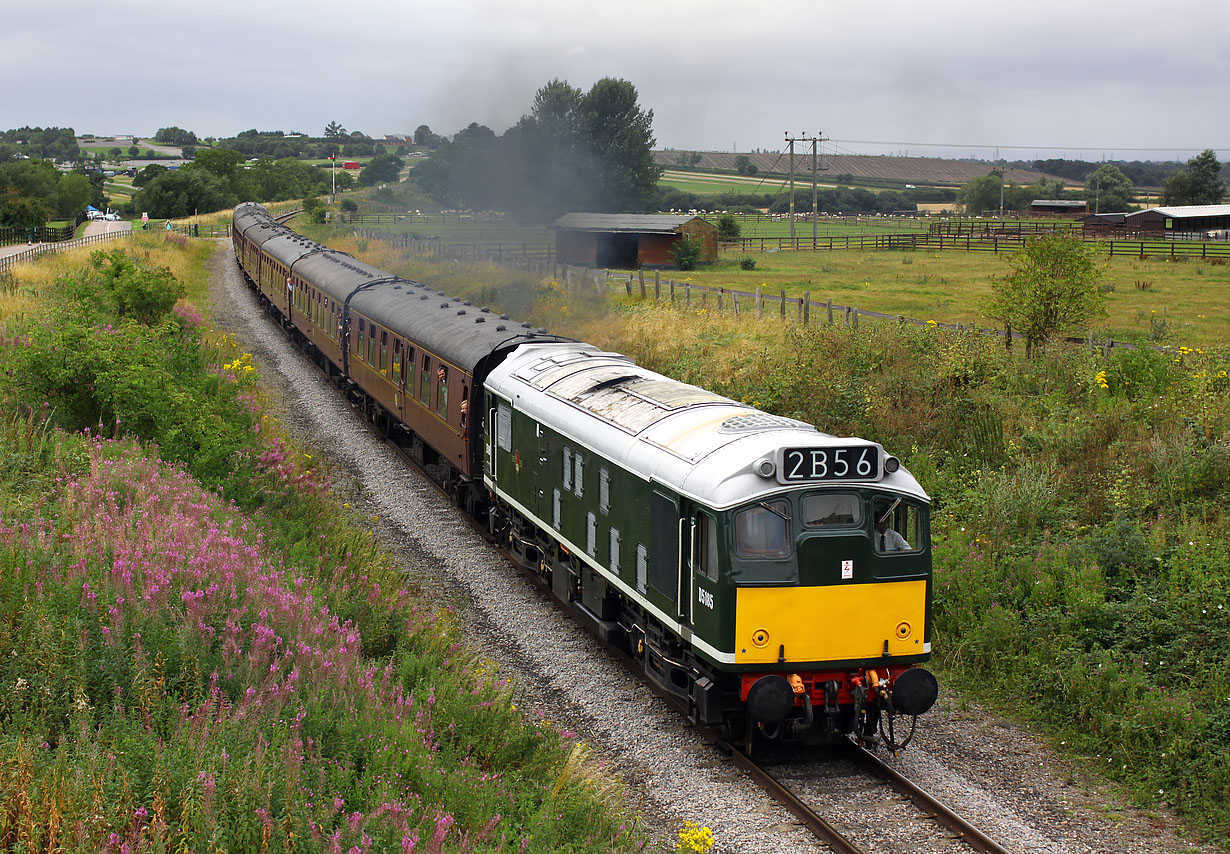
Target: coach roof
point(455, 330)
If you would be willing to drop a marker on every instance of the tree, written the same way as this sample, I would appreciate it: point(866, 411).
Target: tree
point(382, 168)
point(175, 136)
point(728, 227)
point(424, 137)
point(23, 211)
point(223, 162)
point(744, 165)
point(1200, 183)
point(982, 194)
point(1053, 287)
point(1109, 189)
point(133, 151)
point(333, 130)
point(73, 193)
point(687, 159)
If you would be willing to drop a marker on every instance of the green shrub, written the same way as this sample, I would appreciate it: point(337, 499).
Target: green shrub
point(686, 252)
point(747, 262)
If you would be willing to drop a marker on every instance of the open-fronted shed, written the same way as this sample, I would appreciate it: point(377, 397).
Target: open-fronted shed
point(1181, 218)
point(629, 240)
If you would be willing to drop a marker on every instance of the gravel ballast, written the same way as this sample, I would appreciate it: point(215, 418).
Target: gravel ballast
point(1006, 780)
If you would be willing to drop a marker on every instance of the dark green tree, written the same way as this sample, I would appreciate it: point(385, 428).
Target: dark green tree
point(333, 130)
point(381, 169)
point(73, 193)
point(175, 136)
point(22, 211)
point(1199, 183)
point(728, 227)
point(133, 150)
point(223, 162)
point(1108, 189)
point(744, 165)
point(424, 137)
point(183, 192)
point(982, 194)
point(1053, 286)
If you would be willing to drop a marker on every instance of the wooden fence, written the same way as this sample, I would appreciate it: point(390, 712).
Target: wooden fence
point(8, 261)
point(758, 304)
point(528, 255)
point(993, 242)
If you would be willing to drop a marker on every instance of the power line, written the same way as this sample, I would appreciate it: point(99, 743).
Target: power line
point(1032, 147)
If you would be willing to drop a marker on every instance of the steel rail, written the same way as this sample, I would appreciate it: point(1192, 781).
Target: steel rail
point(925, 801)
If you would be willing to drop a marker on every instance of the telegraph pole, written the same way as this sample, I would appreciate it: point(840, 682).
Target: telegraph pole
point(814, 140)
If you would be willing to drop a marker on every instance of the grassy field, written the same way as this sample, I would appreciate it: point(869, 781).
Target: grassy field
point(1183, 302)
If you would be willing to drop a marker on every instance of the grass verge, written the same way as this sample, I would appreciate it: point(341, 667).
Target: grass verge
point(204, 652)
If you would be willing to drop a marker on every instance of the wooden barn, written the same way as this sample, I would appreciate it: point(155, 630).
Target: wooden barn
point(628, 241)
point(1183, 218)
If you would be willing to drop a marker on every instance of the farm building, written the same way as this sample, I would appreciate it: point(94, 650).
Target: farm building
point(1058, 206)
point(1186, 218)
point(629, 240)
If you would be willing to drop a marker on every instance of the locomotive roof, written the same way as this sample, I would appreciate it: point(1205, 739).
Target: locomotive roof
point(695, 441)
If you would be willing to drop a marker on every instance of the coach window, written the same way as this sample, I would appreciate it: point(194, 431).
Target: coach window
point(371, 346)
point(425, 381)
point(407, 370)
point(442, 392)
point(397, 375)
point(384, 352)
point(762, 532)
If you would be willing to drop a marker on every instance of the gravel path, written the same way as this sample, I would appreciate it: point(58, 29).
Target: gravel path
point(1014, 788)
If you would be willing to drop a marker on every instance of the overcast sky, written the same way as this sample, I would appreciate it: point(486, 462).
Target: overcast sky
point(1133, 79)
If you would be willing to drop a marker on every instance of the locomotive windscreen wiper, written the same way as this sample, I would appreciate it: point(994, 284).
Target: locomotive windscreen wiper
point(785, 516)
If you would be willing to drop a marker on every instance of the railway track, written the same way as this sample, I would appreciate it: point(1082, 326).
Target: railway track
point(894, 813)
point(827, 832)
point(951, 831)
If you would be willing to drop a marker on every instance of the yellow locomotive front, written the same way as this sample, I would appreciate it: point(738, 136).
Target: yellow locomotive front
point(825, 594)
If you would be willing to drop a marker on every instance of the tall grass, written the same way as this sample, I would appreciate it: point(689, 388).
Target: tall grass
point(236, 665)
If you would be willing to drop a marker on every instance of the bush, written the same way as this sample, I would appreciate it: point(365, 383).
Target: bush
point(686, 253)
point(349, 205)
point(747, 262)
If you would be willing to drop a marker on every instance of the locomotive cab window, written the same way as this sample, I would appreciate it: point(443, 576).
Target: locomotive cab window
point(896, 526)
point(763, 531)
point(706, 545)
point(832, 510)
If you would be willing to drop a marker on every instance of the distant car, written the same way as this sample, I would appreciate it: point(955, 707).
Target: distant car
point(113, 217)
point(1218, 234)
